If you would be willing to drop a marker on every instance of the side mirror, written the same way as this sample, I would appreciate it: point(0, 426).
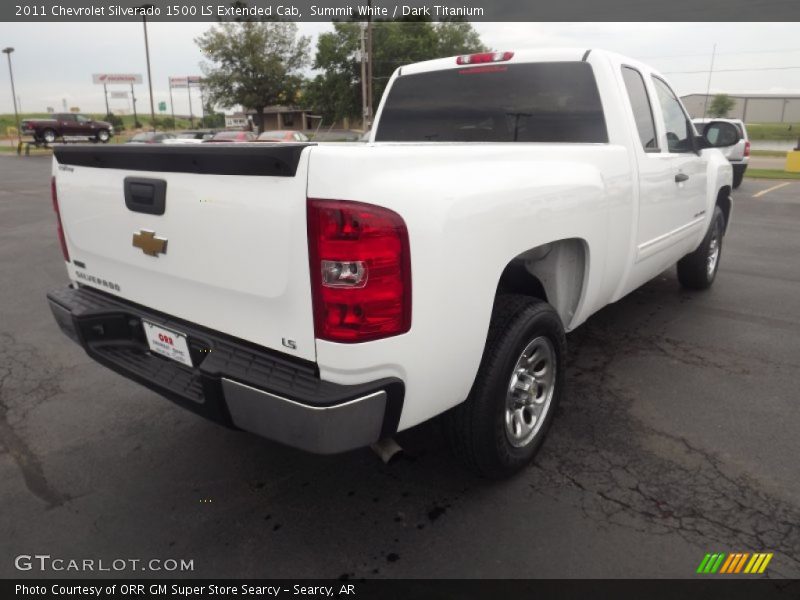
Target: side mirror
point(720, 134)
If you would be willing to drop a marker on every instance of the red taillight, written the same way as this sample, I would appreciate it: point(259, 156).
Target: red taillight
point(59, 227)
point(360, 271)
point(483, 57)
point(747, 148)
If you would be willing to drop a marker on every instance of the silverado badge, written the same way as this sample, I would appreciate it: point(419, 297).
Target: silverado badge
point(149, 243)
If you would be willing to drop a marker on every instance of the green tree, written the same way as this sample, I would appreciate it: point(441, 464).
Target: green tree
point(336, 92)
point(253, 64)
point(721, 105)
point(213, 120)
point(115, 121)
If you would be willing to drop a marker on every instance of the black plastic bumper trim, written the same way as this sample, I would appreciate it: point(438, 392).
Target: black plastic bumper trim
point(110, 331)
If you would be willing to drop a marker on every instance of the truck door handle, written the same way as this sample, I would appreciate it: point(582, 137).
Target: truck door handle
point(681, 177)
point(145, 195)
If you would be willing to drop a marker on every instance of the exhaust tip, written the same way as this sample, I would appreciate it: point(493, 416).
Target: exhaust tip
point(387, 449)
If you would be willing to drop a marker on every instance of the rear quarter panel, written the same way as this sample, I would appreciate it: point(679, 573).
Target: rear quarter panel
point(469, 209)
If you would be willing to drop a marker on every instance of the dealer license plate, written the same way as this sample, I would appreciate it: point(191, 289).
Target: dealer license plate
point(167, 343)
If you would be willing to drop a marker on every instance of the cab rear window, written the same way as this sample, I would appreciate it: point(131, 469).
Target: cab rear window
point(536, 102)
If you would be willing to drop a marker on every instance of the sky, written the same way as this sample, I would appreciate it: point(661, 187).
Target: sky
point(54, 62)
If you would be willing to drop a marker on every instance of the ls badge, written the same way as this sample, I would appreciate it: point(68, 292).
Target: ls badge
point(149, 243)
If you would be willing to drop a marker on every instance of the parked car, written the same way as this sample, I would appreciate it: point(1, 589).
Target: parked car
point(193, 137)
point(151, 137)
point(328, 296)
point(67, 125)
point(282, 136)
point(232, 137)
point(336, 135)
point(738, 154)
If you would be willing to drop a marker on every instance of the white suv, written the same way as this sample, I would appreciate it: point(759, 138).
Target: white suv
point(738, 154)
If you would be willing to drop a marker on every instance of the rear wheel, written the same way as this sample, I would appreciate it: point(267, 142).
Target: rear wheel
point(504, 420)
point(738, 175)
point(49, 136)
point(697, 270)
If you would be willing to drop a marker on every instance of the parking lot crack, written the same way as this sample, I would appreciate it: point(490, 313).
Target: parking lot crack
point(630, 474)
point(24, 383)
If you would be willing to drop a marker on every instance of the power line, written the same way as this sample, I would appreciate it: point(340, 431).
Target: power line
point(725, 53)
point(730, 70)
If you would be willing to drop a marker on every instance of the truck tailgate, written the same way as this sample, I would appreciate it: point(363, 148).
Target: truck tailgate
point(234, 221)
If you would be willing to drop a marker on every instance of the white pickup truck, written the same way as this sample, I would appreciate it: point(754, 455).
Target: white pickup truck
point(329, 296)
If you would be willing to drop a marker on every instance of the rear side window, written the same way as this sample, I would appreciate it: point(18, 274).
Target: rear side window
point(537, 102)
point(642, 110)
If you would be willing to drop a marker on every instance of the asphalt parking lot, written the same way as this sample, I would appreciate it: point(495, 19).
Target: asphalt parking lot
point(678, 436)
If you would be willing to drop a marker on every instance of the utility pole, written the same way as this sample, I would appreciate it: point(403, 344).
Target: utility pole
point(133, 100)
point(189, 93)
point(7, 52)
point(708, 87)
point(368, 125)
point(364, 86)
point(105, 93)
point(149, 77)
point(171, 104)
point(202, 104)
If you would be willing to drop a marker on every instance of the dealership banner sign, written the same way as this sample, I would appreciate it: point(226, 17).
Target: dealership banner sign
point(109, 78)
point(88, 11)
point(184, 82)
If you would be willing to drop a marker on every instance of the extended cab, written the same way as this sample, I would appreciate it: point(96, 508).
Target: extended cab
point(329, 296)
point(67, 125)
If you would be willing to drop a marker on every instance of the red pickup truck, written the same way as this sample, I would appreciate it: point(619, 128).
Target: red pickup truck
point(67, 125)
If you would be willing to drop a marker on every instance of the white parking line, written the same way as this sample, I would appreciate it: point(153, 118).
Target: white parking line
point(771, 189)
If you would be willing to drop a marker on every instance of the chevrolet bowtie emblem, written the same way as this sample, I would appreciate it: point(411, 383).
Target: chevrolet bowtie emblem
point(149, 243)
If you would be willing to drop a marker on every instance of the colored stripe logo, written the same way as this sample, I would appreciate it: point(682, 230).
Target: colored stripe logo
point(735, 562)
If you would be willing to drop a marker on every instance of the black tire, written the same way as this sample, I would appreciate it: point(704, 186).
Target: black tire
point(476, 429)
point(738, 176)
point(103, 136)
point(49, 136)
point(694, 270)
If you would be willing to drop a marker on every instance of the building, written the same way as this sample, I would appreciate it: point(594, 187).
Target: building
point(751, 108)
point(287, 117)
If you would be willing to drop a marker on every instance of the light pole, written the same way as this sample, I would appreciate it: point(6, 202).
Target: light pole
point(147, 54)
point(7, 52)
point(710, 73)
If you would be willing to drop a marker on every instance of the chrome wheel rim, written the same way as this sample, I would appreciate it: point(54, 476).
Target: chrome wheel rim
point(530, 391)
point(103, 136)
point(49, 137)
point(713, 255)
